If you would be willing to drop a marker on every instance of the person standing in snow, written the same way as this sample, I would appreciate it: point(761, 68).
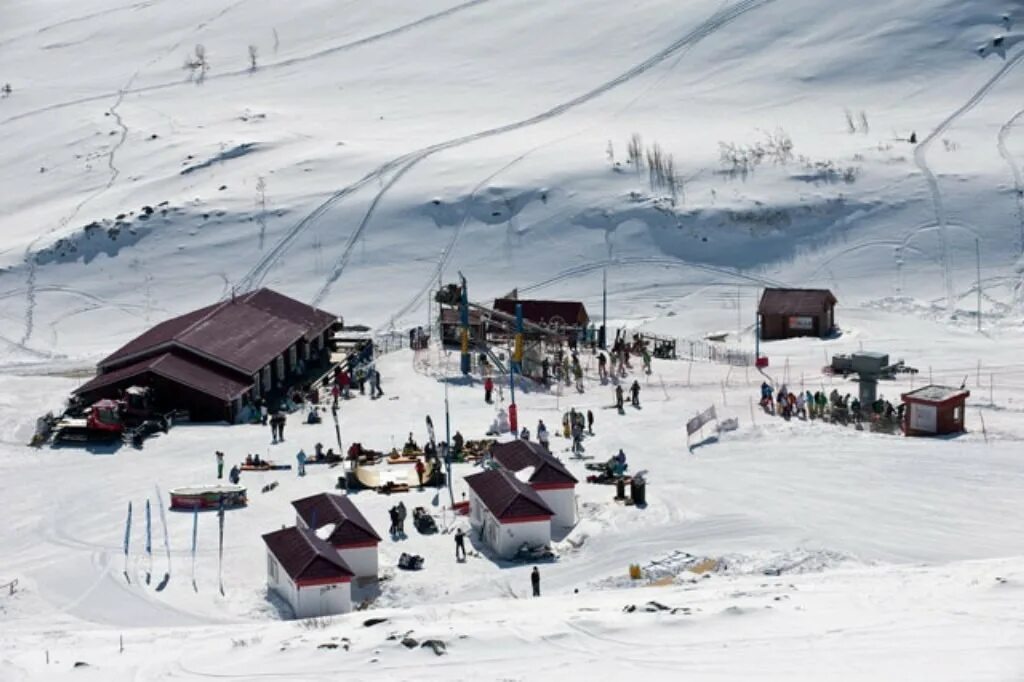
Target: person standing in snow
point(220, 464)
point(634, 393)
point(545, 368)
point(488, 389)
point(235, 474)
point(282, 419)
point(590, 422)
point(376, 391)
point(542, 434)
point(524, 434)
point(618, 397)
point(393, 513)
point(300, 459)
point(401, 518)
point(647, 360)
point(535, 581)
point(420, 470)
point(602, 367)
point(460, 545)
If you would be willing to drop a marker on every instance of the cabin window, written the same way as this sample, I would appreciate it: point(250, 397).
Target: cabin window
point(272, 568)
point(958, 414)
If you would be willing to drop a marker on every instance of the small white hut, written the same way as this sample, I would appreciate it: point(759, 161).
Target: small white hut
point(351, 534)
point(307, 573)
point(550, 478)
point(507, 513)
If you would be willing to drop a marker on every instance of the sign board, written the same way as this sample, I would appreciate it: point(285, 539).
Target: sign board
point(801, 323)
point(923, 418)
point(695, 424)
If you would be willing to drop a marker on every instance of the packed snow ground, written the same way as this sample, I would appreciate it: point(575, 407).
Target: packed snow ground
point(401, 142)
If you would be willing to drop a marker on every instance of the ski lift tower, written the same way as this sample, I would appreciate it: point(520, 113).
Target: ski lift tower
point(869, 368)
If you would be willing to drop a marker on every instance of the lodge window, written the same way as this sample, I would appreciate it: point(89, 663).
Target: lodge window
point(272, 568)
point(958, 414)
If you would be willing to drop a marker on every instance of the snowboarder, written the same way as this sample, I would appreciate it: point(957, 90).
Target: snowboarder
point(618, 398)
point(220, 464)
point(235, 474)
point(535, 581)
point(590, 422)
point(542, 434)
point(300, 459)
point(488, 389)
point(634, 393)
point(460, 545)
point(420, 470)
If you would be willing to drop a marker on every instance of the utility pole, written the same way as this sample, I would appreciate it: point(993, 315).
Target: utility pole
point(604, 310)
point(448, 435)
point(977, 254)
point(464, 323)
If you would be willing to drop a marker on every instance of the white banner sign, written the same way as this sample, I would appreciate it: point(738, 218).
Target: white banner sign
point(695, 424)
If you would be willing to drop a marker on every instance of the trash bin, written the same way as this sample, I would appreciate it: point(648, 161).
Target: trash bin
point(638, 491)
point(620, 489)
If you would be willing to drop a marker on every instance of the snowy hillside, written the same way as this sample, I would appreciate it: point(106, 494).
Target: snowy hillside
point(158, 156)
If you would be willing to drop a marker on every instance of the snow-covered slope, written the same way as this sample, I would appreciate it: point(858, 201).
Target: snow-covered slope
point(375, 148)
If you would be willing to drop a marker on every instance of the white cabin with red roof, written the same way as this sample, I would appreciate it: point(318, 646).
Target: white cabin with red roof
point(549, 477)
point(350, 534)
point(307, 573)
point(506, 513)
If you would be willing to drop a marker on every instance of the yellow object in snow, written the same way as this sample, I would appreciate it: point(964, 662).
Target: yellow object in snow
point(634, 572)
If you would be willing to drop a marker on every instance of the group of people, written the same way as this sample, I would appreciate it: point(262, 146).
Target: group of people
point(634, 396)
point(817, 405)
point(576, 424)
point(397, 514)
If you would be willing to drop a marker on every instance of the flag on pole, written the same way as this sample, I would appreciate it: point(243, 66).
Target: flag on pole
point(149, 530)
point(127, 532)
point(195, 535)
point(220, 546)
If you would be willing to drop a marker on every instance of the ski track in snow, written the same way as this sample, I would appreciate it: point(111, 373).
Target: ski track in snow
point(1018, 180)
point(408, 161)
point(390, 33)
point(921, 160)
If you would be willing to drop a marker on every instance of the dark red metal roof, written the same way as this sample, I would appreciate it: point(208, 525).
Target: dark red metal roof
point(519, 454)
point(304, 556)
point(314, 320)
point(506, 496)
point(205, 378)
point(570, 313)
point(795, 301)
point(350, 528)
point(244, 333)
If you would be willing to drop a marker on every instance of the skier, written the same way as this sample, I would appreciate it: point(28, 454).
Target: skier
point(220, 464)
point(488, 389)
point(542, 435)
point(420, 470)
point(460, 545)
point(590, 422)
point(535, 581)
point(300, 459)
point(618, 398)
point(634, 393)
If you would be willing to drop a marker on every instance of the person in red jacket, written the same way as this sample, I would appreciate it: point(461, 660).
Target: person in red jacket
point(488, 389)
point(420, 470)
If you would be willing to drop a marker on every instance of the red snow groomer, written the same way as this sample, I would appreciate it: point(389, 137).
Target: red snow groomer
point(130, 419)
